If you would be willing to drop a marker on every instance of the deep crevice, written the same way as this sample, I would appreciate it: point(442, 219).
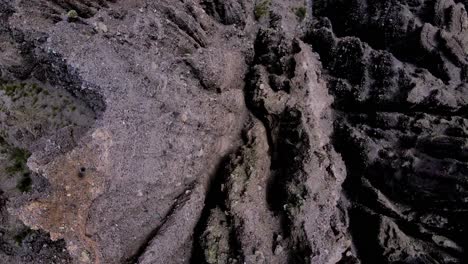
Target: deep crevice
point(180, 199)
point(214, 197)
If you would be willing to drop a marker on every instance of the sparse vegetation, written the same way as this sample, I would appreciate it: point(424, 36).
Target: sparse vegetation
point(20, 90)
point(24, 184)
point(12, 89)
point(22, 235)
point(72, 15)
point(19, 158)
point(262, 9)
point(300, 12)
point(18, 168)
point(33, 110)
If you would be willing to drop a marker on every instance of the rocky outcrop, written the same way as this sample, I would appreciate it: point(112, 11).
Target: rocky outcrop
point(399, 81)
point(287, 94)
point(226, 11)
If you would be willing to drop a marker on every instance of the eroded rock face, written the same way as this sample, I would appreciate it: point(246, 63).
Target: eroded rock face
point(306, 173)
point(227, 11)
point(399, 80)
point(221, 131)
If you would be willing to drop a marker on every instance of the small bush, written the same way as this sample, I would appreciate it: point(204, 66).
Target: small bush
point(22, 235)
point(24, 185)
point(72, 15)
point(262, 9)
point(301, 13)
point(12, 89)
point(19, 158)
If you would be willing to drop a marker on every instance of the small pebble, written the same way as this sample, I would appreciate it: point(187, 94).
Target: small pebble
point(278, 250)
point(102, 27)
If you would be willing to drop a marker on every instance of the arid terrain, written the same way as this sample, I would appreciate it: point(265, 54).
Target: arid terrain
point(233, 131)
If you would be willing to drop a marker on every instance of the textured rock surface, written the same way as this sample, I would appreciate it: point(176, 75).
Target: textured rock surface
point(233, 131)
point(397, 70)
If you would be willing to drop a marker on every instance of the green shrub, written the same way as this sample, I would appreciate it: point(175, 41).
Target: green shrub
point(12, 89)
point(22, 235)
point(262, 9)
point(72, 15)
point(24, 184)
point(301, 12)
point(18, 157)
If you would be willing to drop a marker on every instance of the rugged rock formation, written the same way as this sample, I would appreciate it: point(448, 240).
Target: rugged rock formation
point(223, 131)
point(399, 80)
